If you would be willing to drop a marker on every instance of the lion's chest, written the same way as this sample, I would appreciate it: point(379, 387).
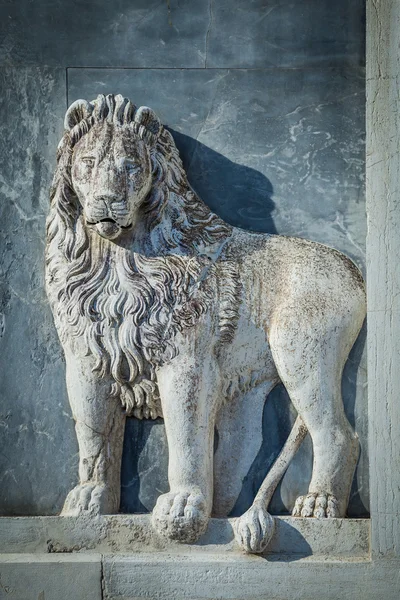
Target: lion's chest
point(127, 316)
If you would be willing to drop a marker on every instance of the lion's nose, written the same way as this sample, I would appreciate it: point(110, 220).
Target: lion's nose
point(107, 199)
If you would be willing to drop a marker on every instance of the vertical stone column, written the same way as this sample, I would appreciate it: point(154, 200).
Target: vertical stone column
point(383, 271)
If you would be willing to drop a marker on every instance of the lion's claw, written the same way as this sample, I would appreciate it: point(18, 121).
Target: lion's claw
point(254, 529)
point(181, 516)
point(90, 498)
point(319, 505)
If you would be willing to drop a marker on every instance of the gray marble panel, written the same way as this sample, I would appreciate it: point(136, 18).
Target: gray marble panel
point(134, 33)
point(38, 451)
point(276, 33)
point(270, 150)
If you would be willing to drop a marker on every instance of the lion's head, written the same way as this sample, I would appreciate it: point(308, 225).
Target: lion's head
point(119, 174)
point(111, 171)
point(128, 243)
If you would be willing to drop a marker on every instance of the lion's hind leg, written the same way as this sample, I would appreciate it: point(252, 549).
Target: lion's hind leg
point(310, 357)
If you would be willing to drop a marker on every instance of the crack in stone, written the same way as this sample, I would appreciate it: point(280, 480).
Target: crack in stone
point(210, 23)
point(102, 579)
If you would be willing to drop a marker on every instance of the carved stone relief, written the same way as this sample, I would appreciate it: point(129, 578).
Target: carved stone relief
point(165, 310)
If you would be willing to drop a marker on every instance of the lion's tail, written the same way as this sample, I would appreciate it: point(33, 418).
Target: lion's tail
point(275, 474)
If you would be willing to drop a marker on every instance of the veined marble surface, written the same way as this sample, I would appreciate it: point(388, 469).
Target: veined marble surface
point(37, 444)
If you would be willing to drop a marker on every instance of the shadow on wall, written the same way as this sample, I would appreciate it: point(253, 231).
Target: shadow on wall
point(278, 418)
point(359, 493)
point(238, 194)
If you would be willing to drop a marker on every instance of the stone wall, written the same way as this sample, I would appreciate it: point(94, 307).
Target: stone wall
point(266, 103)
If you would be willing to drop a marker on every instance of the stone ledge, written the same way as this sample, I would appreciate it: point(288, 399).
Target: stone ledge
point(196, 576)
point(51, 577)
point(342, 538)
point(210, 577)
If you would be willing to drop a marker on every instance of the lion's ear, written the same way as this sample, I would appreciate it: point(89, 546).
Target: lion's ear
point(148, 122)
point(80, 109)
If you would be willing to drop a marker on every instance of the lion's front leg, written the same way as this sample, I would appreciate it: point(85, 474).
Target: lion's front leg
point(189, 395)
point(99, 425)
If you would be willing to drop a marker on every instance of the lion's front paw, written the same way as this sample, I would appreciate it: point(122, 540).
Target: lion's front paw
point(181, 516)
point(92, 498)
point(319, 505)
point(254, 529)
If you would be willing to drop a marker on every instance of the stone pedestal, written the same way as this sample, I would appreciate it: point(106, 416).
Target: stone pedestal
point(121, 557)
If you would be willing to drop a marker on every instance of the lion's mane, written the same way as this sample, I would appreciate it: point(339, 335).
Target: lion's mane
point(126, 307)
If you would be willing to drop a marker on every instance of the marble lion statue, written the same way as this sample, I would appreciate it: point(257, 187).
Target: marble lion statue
point(164, 310)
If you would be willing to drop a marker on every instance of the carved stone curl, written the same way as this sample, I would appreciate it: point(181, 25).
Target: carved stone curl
point(165, 310)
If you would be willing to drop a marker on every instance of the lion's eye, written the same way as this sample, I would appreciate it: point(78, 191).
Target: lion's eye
point(131, 168)
point(88, 160)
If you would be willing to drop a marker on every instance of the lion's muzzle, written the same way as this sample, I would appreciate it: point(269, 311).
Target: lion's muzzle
point(108, 229)
point(108, 214)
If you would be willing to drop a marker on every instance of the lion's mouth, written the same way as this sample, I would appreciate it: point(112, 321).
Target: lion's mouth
point(108, 227)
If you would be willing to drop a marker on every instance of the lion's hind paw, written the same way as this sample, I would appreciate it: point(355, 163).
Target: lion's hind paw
point(181, 516)
point(254, 529)
point(319, 505)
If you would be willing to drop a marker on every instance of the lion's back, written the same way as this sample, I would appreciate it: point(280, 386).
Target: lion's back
point(278, 270)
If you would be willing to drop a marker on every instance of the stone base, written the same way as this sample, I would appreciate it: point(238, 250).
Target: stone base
point(121, 558)
point(333, 538)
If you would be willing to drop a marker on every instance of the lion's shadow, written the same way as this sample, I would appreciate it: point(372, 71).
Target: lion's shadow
point(238, 194)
